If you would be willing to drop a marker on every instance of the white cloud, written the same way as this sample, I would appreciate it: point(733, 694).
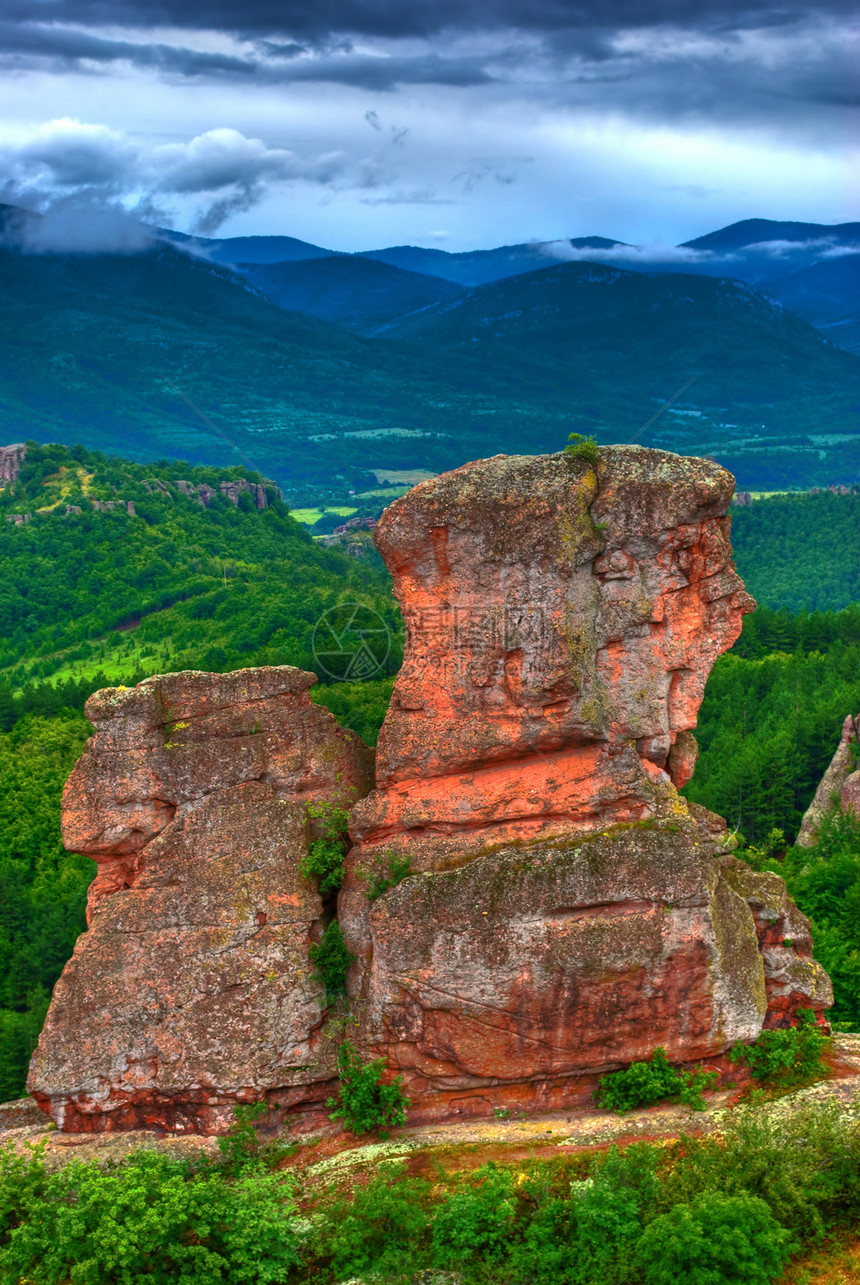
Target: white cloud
point(80, 174)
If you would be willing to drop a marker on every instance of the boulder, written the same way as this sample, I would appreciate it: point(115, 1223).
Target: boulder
point(530, 901)
point(192, 990)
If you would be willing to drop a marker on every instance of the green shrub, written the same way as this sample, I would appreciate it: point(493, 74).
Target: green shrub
point(476, 1223)
point(366, 1104)
point(804, 1165)
point(716, 1240)
point(325, 856)
point(583, 448)
point(151, 1220)
point(388, 876)
point(378, 1231)
point(644, 1083)
point(240, 1147)
point(608, 1212)
point(331, 959)
point(786, 1058)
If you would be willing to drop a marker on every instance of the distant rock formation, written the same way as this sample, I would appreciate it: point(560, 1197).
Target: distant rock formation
point(232, 490)
point(530, 901)
point(11, 459)
point(839, 787)
point(192, 990)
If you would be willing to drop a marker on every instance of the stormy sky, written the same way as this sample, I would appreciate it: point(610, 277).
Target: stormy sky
point(456, 123)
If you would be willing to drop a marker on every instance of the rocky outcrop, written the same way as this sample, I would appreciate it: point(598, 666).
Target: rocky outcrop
point(839, 787)
point(529, 900)
point(556, 908)
point(192, 990)
point(11, 459)
point(231, 490)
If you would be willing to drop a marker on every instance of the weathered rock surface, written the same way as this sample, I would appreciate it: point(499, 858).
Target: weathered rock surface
point(564, 911)
point(839, 787)
point(192, 989)
point(561, 623)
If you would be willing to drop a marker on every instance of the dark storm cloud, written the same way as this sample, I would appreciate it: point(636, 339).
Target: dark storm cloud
point(398, 18)
point(659, 59)
point(64, 48)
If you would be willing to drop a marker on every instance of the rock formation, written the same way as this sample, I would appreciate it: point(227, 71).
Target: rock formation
point(839, 787)
point(530, 901)
point(566, 912)
point(11, 459)
point(192, 990)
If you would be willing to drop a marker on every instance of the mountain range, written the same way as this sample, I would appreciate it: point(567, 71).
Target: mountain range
point(319, 367)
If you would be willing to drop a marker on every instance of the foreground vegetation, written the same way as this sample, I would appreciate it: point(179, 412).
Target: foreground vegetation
point(731, 1209)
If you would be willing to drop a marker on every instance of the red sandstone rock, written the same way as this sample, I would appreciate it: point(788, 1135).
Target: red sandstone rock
point(561, 623)
point(565, 912)
point(192, 990)
point(11, 459)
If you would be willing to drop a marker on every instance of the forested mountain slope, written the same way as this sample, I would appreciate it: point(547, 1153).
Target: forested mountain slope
point(616, 341)
point(174, 585)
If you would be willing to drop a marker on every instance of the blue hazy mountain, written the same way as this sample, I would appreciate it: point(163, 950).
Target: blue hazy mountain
point(249, 249)
point(827, 295)
point(477, 267)
point(100, 348)
point(350, 290)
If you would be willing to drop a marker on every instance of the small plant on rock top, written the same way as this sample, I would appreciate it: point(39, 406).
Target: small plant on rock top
point(366, 1103)
point(583, 448)
point(331, 960)
point(643, 1083)
point(785, 1058)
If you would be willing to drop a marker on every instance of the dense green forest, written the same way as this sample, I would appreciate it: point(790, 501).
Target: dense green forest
point(42, 888)
point(800, 551)
point(100, 597)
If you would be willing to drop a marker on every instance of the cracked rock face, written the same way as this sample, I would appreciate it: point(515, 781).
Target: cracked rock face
point(564, 912)
point(192, 990)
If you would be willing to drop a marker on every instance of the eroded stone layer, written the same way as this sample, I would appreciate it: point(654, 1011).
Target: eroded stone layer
point(560, 910)
point(192, 989)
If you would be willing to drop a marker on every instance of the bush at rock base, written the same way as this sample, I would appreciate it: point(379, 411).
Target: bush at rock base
point(151, 1219)
point(366, 1103)
point(785, 1058)
point(718, 1210)
point(643, 1083)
